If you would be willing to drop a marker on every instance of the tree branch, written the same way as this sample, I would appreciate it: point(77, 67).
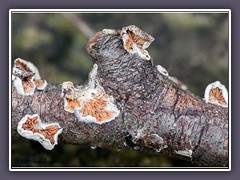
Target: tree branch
point(155, 114)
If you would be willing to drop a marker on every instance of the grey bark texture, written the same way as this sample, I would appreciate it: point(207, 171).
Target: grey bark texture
point(156, 115)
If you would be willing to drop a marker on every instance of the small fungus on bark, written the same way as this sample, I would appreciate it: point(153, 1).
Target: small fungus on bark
point(90, 103)
point(26, 78)
point(70, 100)
point(216, 93)
point(162, 70)
point(136, 41)
point(186, 152)
point(31, 127)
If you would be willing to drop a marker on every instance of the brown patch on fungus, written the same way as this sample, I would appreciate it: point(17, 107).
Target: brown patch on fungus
point(70, 100)
point(40, 84)
point(32, 125)
point(216, 95)
point(72, 104)
point(28, 84)
point(97, 107)
point(49, 132)
point(21, 65)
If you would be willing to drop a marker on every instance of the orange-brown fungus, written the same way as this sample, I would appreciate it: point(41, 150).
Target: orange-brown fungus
point(129, 45)
point(21, 65)
point(28, 85)
point(133, 38)
point(49, 132)
point(39, 83)
point(216, 95)
point(30, 123)
point(72, 104)
point(96, 107)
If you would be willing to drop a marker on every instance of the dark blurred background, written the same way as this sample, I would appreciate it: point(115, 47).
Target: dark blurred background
point(192, 46)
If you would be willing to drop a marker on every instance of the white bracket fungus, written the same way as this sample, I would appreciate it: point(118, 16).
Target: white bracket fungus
point(90, 103)
point(186, 152)
point(26, 77)
point(162, 70)
point(216, 93)
point(136, 41)
point(31, 127)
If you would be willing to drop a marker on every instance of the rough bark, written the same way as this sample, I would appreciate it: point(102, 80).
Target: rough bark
point(156, 115)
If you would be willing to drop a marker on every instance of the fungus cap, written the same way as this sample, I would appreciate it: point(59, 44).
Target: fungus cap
point(216, 93)
point(26, 77)
point(90, 103)
point(162, 70)
point(136, 41)
point(31, 127)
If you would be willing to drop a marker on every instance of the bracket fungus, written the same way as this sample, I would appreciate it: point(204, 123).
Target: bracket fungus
point(26, 77)
point(216, 93)
point(162, 70)
point(186, 152)
point(136, 41)
point(31, 127)
point(89, 103)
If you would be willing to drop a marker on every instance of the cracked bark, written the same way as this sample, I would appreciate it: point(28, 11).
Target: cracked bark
point(156, 115)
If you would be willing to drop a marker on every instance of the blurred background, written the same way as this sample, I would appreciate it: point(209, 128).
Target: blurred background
point(192, 46)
